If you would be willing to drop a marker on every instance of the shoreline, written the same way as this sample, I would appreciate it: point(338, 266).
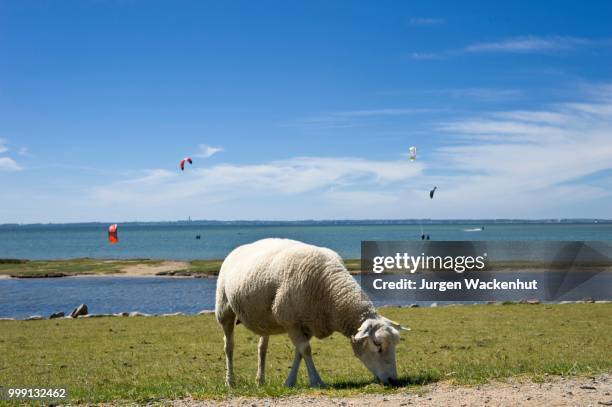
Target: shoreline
point(89, 267)
point(440, 304)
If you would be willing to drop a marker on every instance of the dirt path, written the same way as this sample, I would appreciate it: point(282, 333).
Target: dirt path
point(556, 392)
point(151, 270)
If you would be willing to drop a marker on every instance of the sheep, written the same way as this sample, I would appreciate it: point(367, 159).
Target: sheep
point(275, 286)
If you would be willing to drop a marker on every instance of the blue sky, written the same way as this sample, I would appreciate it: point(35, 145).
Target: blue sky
point(299, 110)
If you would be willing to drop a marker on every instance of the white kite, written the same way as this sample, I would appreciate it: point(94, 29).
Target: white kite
point(412, 153)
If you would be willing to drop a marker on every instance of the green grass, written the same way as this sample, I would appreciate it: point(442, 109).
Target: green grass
point(210, 267)
point(60, 268)
point(148, 359)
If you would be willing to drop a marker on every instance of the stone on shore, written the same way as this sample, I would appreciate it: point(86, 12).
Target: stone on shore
point(57, 315)
point(174, 314)
point(34, 318)
point(80, 310)
point(138, 314)
point(206, 312)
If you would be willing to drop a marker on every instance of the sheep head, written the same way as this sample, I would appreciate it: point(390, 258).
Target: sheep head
point(374, 344)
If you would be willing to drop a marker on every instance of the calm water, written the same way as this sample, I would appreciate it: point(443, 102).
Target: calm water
point(21, 298)
point(177, 241)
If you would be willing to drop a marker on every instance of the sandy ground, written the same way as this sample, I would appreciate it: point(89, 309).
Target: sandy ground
point(555, 392)
point(151, 270)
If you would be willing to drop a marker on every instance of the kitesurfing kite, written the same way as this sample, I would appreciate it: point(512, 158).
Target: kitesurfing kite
point(412, 153)
point(432, 192)
point(188, 159)
point(112, 234)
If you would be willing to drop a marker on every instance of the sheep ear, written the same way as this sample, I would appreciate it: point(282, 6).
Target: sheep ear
point(363, 333)
point(397, 325)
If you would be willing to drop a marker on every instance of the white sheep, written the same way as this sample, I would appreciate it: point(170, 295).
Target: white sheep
point(275, 286)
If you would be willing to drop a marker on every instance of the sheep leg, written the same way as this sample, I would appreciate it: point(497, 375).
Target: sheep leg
point(292, 379)
point(261, 361)
point(302, 344)
point(228, 330)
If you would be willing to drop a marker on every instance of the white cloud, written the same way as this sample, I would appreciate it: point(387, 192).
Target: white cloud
point(522, 163)
point(528, 44)
point(426, 55)
point(482, 94)
point(3, 147)
point(426, 21)
point(207, 151)
point(8, 164)
point(227, 182)
point(383, 112)
point(512, 163)
point(554, 161)
point(531, 44)
point(23, 151)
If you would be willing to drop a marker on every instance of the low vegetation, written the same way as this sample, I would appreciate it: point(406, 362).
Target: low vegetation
point(156, 358)
point(73, 267)
point(61, 268)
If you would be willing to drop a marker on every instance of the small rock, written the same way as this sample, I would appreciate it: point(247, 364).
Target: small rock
point(434, 305)
point(413, 306)
point(57, 315)
point(588, 388)
point(533, 301)
point(206, 312)
point(122, 314)
point(138, 314)
point(33, 318)
point(80, 310)
point(96, 316)
point(589, 300)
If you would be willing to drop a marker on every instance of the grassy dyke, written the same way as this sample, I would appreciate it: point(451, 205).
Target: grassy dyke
point(61, 268)
point(156, 358)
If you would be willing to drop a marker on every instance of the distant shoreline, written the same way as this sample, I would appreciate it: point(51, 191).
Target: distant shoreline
point(88, 267)
point(327, 222)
